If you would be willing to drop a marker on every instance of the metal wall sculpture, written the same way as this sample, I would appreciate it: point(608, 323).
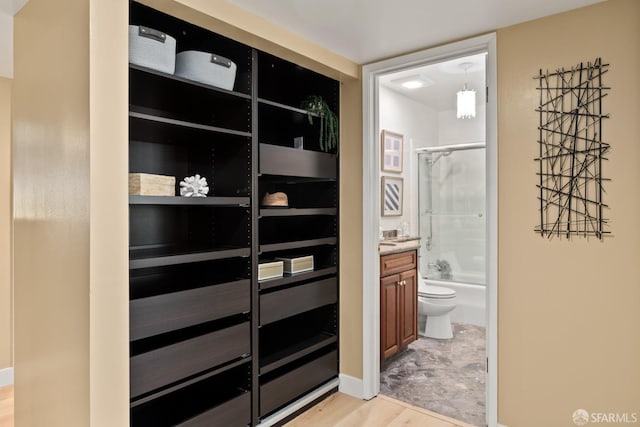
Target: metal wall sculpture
point(572, 151)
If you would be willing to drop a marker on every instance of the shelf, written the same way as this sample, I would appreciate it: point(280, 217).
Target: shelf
point(287, 107)
point(155, 116)
point(287, 387)
point(295, 352)
point(145, 258)
point(285, 161)
point(284, 303)
point(159, 367)
point(172, 311)
point(189, 102)
point(297, 212)
point(292, 278)
point(146, 283)
point(189, 201)
point(147, 127)
point(236, 411)
point(182, 80)
point(165, 149)
point(299, 244)
point(210, 403)
point(164, 392)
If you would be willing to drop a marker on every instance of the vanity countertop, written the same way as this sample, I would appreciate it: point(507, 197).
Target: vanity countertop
point(398, 245)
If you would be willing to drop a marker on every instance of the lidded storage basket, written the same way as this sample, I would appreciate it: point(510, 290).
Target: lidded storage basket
point(152, 49)
point(208, 68)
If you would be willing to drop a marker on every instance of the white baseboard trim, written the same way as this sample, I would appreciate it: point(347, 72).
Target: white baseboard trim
point(6, 377)
point(501, 425)
point(297, 405)
point(352, 386)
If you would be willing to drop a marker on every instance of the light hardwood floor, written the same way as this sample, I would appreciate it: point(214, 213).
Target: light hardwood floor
point(341, 410)
point(337, 410)
point(6, 406)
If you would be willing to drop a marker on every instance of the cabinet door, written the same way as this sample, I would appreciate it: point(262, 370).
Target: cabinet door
point(389, 302)
point(408, 316)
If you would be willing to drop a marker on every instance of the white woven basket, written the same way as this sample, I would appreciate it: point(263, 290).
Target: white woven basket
point(152, 49)
point(208, 68)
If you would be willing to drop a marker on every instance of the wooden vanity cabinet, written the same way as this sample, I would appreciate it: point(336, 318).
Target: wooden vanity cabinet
point(398, 302)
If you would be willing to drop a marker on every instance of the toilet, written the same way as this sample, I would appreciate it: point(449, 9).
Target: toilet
point(435, 303)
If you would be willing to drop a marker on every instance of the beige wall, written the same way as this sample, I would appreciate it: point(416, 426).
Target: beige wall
point(109, 211)
point(51, 223)
point(351, 229)
point(6, 309)
point(569, 317)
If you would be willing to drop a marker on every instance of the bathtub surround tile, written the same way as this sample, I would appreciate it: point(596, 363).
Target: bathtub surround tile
point(444, 376)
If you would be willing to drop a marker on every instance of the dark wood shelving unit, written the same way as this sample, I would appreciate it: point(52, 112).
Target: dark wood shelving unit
point(209, 344)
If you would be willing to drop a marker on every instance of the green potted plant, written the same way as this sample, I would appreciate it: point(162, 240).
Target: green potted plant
point(316, 105)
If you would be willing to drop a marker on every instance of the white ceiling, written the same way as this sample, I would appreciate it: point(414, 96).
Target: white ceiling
point(368, 30)
point(11, 7)
point(443, 79)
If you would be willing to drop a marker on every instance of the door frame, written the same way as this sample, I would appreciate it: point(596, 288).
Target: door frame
point(371, 203)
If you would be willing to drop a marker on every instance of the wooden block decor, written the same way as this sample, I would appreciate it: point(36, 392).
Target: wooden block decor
point(145, 184)
point(572, 151)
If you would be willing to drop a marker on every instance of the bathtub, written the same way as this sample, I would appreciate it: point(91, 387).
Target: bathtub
point(470, 301)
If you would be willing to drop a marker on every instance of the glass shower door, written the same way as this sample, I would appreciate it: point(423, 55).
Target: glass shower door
point(452, 214)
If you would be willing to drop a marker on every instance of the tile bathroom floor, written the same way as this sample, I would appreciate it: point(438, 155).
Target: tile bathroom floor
point(443, 376)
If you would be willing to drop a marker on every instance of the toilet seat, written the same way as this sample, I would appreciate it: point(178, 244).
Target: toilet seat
point(436, 292)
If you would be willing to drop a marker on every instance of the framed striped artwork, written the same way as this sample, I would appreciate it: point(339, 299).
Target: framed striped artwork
point(391, 196)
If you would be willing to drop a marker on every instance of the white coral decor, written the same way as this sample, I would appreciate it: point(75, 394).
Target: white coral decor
point(194, 186)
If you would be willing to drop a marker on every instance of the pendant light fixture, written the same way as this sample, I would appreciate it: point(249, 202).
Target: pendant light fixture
point(466, 97)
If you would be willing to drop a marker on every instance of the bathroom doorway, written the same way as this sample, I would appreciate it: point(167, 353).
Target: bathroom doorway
point(444, 369)
point(458, 247)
